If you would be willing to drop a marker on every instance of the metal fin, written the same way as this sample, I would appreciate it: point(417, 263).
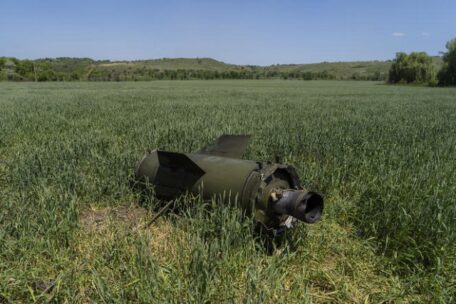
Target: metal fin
point(176, 173)
point(232, 146)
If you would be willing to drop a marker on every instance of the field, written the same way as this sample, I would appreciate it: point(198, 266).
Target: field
point(72, 229)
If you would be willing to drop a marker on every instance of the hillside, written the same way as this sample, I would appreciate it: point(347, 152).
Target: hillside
point(340, 70)
point(68, 69)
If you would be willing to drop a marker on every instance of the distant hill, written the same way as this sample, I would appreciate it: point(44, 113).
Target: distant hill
point(68, 69)
point(218, 69)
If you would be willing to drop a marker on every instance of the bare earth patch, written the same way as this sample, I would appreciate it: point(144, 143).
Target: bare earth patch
point(99, 223)
point(97, 218)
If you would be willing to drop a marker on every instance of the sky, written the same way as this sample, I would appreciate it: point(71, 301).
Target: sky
point(253, 32)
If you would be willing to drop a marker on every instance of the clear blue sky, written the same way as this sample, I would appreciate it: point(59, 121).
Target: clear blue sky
point(244, 32)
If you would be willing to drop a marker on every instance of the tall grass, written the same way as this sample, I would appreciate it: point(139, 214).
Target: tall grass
point(383, 156)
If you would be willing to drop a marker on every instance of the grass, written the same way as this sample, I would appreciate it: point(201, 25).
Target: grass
point(71, 228)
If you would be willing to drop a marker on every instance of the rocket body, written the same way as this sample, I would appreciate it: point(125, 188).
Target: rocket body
point(271, 192)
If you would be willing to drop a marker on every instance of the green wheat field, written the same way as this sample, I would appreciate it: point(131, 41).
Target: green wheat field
point(72, 229)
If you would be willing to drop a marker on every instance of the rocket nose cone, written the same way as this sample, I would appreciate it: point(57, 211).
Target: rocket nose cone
point(310, 208)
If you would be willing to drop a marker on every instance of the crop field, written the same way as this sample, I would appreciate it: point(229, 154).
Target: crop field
point(72, 229)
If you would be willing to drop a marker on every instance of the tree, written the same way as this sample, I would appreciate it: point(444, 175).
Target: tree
point(447, 75)
point(25, 68)
point(414, 68)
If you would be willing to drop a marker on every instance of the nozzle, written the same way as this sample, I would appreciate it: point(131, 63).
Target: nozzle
point(305, 206)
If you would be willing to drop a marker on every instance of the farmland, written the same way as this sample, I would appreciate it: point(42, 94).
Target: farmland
point(72, 229)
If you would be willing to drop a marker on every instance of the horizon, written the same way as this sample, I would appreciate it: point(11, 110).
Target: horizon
point(203, 58)
point(254, 33)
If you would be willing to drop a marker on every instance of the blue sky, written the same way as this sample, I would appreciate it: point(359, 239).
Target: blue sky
point(243, 32)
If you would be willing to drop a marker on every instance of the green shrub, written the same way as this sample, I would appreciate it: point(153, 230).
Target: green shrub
point(414, 68)
point(447, 75)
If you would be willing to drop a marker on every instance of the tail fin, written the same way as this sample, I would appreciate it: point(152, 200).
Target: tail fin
point(176, 173)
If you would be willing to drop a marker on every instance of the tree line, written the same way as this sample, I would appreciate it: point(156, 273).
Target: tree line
point(85, 69)
point(191, 74)
point(418, 68)
point(59, 69)
point(413, 68)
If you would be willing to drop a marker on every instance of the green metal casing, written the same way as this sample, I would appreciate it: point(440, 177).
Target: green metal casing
point(224, 176)
point(246, 182)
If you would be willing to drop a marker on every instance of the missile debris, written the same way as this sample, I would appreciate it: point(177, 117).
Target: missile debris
point(269, 191)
